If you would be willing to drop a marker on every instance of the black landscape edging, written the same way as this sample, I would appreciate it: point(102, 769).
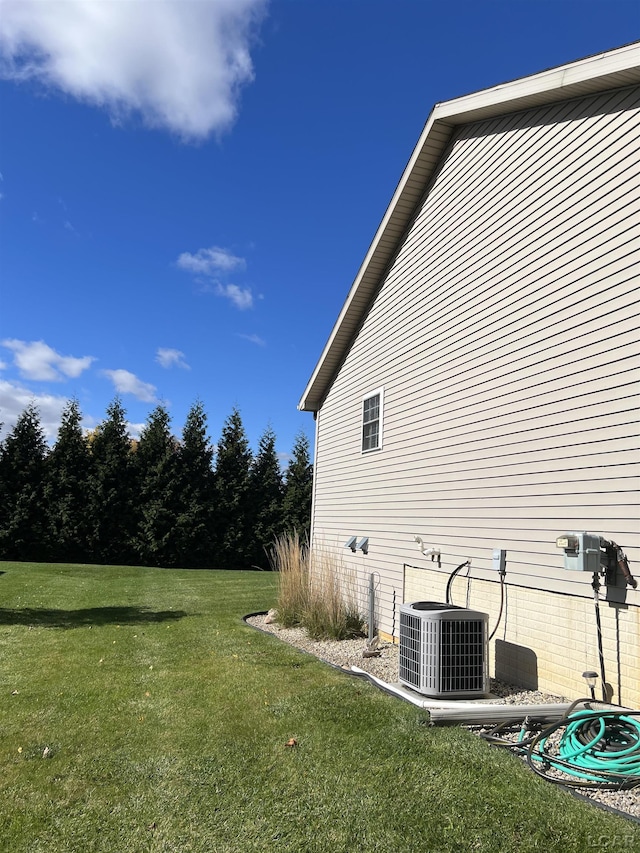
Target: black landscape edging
point(603, 806)
point(303, 651)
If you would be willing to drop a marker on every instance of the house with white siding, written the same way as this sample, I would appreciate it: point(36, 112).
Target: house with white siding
point(479, 389)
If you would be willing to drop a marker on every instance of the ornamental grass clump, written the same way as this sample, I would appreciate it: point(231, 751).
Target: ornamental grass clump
point(289, 558)
point(315, 591)
point(332, 610)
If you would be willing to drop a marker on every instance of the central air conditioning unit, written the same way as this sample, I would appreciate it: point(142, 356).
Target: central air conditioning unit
point(444, 650)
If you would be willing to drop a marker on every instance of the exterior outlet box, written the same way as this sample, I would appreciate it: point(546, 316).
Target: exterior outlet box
point(500, 560)
point(581, 551)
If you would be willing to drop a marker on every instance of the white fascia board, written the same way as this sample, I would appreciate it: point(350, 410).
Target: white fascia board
point(596, 72)
point(617, 67)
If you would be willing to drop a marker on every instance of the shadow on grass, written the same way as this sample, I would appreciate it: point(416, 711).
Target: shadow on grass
point(42, 618)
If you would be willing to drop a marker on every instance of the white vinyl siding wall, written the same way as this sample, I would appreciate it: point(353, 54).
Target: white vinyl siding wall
point(505, 334)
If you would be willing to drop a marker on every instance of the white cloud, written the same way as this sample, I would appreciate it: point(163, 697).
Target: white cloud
point(128, 383)
point(214, 263)
point(242, 298)
point(171, 358)
point(14, 399)
point(210, 261)
point(254, 339)
point(180, 65)
point(37, 360)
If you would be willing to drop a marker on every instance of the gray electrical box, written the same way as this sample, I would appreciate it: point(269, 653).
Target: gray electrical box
point(581, 551)
point(500, 560)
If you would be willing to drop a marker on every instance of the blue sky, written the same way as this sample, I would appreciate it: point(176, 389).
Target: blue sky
point(189, 186)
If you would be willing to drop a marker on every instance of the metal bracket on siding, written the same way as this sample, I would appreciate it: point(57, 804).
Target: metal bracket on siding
point(363, 545)
point(351, 543)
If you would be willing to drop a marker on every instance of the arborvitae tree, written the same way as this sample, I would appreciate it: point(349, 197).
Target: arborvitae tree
point(298, 489)
point(195, 485)
point(112, 507)
point(24, 530)
point(265, 485)
point(156, 456)
point(233, 463)
point(67, 489)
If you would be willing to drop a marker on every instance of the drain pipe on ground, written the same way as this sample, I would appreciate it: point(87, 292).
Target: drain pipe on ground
point(452, 711)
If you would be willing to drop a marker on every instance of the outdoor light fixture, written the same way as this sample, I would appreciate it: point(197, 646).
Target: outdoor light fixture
point(590, 677)
point(363, 545)
point(351, 543)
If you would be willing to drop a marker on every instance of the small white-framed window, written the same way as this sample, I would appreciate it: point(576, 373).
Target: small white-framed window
point(372, 405)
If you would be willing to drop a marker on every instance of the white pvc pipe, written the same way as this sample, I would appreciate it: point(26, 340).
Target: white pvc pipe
point(498, 713)
point(453, 710)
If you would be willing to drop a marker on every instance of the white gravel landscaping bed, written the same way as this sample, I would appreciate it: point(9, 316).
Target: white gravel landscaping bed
point(348, 653)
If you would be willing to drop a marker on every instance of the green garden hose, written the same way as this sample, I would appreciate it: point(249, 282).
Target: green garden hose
point(593, 748)
point(596, 748)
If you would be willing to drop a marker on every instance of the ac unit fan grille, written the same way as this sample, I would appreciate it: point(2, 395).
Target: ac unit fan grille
point(462, 656)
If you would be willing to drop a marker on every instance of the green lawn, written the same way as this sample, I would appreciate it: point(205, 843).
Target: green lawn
point(166, 719)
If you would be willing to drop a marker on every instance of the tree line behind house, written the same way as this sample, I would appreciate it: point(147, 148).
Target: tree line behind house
point(104, 498)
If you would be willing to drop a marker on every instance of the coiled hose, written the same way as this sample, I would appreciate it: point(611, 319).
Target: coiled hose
point(596, 748)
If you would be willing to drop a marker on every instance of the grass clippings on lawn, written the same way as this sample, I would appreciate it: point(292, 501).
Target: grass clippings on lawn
point(139, 713)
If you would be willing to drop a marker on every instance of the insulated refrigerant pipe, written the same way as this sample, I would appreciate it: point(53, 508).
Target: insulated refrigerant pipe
point(456, 711)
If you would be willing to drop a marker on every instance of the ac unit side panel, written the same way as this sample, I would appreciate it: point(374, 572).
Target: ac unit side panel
point(430, 661)
point(410, 649)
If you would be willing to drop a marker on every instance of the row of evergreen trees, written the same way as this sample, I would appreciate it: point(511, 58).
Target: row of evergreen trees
point(103, 498)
